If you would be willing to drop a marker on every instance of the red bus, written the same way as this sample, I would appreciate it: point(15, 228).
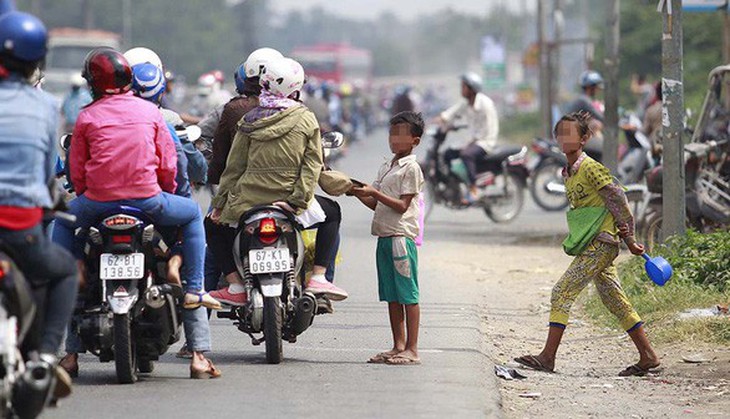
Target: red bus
point(335, 62)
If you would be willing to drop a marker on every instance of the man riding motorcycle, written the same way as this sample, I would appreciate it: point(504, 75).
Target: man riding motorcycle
point(122, 154)
point(591, 82)
point(28, 124)
point(279, 160)
point(481, 116)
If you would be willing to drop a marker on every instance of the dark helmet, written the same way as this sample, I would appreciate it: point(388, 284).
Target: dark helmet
point(239, 77)
point(23, 41)
point(107, 72)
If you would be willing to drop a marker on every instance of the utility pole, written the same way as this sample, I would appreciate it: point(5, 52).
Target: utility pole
point(610, 143)
point(545, 71)
point(127, 22)
point(556, 63)
point(88, 14)
point(673, 119)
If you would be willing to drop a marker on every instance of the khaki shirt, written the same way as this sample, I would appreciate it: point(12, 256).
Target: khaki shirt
point(402, 178)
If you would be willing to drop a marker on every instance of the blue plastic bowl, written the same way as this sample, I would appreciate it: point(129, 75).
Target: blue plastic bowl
point(658, 269)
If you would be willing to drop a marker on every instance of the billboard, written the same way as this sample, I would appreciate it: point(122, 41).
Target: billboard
point(703, 5)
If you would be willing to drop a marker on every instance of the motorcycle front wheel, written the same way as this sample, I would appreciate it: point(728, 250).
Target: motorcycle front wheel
point(125, 358)
point(273, 322)
point(548, 171)
point(505, 208)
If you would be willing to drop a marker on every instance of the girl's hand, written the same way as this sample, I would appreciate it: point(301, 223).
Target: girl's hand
point(636, 248)
point(623, 231)
point(364, 191)
point(215, 215)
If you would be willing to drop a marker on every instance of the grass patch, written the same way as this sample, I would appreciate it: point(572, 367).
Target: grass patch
point(701, 279)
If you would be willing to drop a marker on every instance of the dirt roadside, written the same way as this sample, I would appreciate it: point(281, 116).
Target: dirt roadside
point(517, 282)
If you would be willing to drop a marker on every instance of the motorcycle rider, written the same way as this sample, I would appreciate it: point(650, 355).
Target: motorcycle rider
point(122, 154)
point(75, 100)
point(271, 136)
point(481, 115)
point(28, 124)
point(591, 83)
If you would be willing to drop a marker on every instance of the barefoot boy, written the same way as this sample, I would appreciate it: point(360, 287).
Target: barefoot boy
point(394, 198)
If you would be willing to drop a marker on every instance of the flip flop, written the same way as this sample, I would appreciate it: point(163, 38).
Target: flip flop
point(208, 302)
point(380, 358)
point(402, 360)
point(531, 361)
point(637, 371)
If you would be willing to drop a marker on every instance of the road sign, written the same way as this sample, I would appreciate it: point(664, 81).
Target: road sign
point(703, 5)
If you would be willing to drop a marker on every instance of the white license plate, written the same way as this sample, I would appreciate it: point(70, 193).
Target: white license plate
point(266, 261)
point(128, 266)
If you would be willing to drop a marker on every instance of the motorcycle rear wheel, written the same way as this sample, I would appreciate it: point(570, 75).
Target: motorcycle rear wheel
point(506, 208)
point(273, 322)
point(548, 171)
point(125, 358)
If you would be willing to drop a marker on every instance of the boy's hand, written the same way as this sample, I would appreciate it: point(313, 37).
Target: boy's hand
point(363, 191)
point(636, 248)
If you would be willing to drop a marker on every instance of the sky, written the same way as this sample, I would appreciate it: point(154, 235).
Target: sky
point(405, 9)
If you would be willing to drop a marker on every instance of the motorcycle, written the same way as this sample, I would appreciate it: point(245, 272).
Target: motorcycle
point(501, 179)
point(269, 254)
point(707, 197)
point(128, 312)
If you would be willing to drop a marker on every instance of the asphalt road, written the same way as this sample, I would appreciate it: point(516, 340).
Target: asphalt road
point(324, 374)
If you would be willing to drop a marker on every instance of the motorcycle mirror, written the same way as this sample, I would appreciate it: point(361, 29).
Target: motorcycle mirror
point(333, 139)
point(64, 142)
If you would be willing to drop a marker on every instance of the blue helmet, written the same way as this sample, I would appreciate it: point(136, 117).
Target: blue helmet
point(240, 78)
point(23, 37)
point(591, 78)
point(148, 82)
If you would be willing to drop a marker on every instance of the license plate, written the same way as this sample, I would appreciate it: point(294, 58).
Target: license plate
point(128, 266)
point(266, 261)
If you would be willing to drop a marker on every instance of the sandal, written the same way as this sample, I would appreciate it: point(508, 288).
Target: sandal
point(380, 358)
point(531, 361)
point(637, 371)
point(193, 300)
point(402, 360)
point(210, 372)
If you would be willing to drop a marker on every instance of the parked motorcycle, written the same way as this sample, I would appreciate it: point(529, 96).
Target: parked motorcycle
point(269, 254)
point(128, 312)
point(707, 196)
point(501, 179)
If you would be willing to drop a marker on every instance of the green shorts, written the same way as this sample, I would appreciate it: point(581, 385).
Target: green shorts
point(397, 261)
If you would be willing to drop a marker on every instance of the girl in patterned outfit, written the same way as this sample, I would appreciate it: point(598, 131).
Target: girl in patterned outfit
point(594, 240)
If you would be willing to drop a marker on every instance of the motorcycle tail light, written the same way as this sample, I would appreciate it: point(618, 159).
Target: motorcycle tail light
point(267, 231)
point(121, 239)
point(120, 222)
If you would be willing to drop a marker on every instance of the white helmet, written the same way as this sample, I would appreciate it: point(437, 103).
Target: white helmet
point(257, 60)
point(77, 80)
point(283, 77)
point(141, 55)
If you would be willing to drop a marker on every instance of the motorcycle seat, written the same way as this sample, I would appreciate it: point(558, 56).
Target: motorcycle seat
point(501, 153)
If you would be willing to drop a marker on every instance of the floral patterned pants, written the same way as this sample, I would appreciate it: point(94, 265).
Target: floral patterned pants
point(596, 264)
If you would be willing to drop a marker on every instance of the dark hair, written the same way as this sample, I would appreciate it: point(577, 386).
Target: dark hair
point(583, 120)
point(13, 65)
point(413, 119)
point(658, 91)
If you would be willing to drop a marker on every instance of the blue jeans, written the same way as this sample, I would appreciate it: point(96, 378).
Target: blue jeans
point(51, 273)
point(166, 209)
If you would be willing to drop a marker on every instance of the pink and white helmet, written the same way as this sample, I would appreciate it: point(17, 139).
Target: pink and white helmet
point(283, 77)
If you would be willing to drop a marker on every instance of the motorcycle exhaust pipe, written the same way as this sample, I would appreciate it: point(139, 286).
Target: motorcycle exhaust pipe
point(154, 297)
point(32, 390)
point(304, 309)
